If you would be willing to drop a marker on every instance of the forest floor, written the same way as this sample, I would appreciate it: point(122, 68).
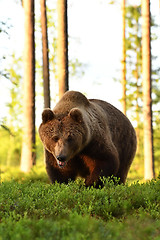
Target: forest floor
point(32, 208)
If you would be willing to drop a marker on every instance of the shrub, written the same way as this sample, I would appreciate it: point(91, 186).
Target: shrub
point(33, 209)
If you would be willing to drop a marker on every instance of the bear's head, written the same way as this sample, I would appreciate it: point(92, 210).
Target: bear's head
point(64, 137)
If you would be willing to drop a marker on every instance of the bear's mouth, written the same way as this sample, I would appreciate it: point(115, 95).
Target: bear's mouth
point(61, 164)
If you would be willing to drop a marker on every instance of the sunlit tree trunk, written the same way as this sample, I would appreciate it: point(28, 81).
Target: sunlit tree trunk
point(138, 91)
point(46, 81)
point(28, 142)
point(62, 47)
point(123, 63)
point(147, 100)
point(137, 110)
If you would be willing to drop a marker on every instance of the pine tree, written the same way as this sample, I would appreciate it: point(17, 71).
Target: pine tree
point(28, 145)
point(46, 80)
point(62, 46)
point(123, 59)
point(147, 85)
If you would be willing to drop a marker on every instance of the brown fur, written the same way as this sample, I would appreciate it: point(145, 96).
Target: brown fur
point(86, 138)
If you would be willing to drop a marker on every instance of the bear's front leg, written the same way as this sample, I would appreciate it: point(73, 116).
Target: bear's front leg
point(93, 179)
point(105, 168)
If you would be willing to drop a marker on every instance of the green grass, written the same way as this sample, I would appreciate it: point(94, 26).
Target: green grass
point(31, 208)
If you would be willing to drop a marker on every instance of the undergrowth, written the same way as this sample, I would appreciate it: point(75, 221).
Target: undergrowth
point(31, 208)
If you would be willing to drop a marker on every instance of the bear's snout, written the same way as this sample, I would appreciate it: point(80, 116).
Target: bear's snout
point(61, 158)
point(61, 161)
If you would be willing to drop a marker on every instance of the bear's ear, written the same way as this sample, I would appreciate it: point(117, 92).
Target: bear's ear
point(47, 115)
point(76, 115)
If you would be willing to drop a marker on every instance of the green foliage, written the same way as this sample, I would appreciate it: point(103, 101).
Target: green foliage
point(33, 209)
point(37, 173)
point(10, 150)
point(78, 227)
point(14, 119)
point(133, 60)
point(134, 81)
point(10, 146)
point(133, 45)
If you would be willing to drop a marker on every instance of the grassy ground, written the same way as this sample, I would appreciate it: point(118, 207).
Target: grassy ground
point(31, 208)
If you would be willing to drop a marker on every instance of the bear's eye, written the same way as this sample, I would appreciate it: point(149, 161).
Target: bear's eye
point(55, 138)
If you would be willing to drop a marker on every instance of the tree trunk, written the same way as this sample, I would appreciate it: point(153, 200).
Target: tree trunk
point(28, 142)
point(147, 101)
point(123, 59)
point(62, 47)
point(137, 91)
point(137, 109)
point(46, 82)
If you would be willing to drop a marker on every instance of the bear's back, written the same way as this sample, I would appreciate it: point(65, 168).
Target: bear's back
point(119, 125)
point(113, 115)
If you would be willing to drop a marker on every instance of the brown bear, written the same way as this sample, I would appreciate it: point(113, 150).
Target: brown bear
point(88, 138)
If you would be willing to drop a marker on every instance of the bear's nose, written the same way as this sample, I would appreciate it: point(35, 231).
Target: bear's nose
point(61, 158)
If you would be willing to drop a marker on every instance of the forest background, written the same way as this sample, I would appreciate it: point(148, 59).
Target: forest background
point(95, 48)
point(103, 60)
